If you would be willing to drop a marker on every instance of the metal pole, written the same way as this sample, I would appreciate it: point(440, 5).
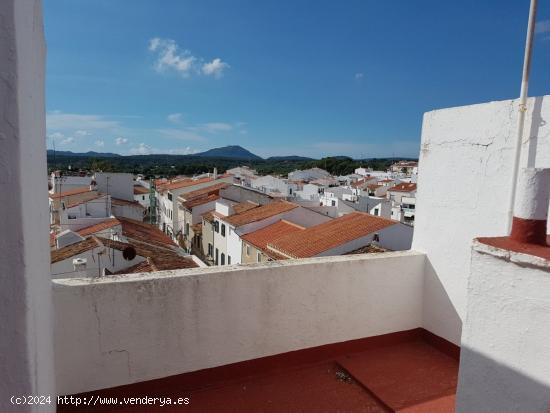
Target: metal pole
point(522, 108)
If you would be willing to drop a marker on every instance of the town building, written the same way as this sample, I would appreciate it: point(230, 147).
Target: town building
point(167, 194)
point(254, 244)
point(342, 235)
point(403, 201)
point(457, 323)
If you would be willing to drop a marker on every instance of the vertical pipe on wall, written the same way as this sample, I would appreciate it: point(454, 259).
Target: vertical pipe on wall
point(522, 107)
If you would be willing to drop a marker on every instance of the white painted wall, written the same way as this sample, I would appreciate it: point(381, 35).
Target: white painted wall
point(118, 185)
point(108, 331)
point(463, 190)
point(112, 260)
point(26, 337)
point(505, 358)
point(135, 212)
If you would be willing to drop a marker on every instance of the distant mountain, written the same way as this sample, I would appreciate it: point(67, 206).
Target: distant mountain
point(88, 154)
point(289, 158)
point(231, 152)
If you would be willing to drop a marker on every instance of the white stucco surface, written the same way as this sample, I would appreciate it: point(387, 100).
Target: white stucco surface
point(119, 330)
point(504, 364)
point(463, 192)
point(26, 326)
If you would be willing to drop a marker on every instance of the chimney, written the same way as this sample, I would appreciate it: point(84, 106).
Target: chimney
point(215, 174)
point(79, 265)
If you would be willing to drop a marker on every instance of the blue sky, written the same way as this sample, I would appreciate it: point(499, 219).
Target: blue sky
point(310, 78)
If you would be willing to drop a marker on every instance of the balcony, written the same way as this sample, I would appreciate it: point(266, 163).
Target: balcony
point(350, 326)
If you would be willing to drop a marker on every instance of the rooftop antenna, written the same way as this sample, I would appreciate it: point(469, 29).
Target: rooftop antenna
point(522, 107)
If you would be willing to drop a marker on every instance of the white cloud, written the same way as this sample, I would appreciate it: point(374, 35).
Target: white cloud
point(67, 141)
point(169, 56)
point(359, 76)
point(78, 122)
point(82, 133)
point(174, 117)
point(542, 26)
point(56, 135)
point(181, 151)
point(214, 68)
point(100, 143)
point(141, 149)
point(214, 127)
point(121, 141)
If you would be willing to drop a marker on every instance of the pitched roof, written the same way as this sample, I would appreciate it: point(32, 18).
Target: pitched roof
point(200, 200)
point(182, 183)
point(204, 191)
point(102, 226)
point(82, 201)
point(144, 232)
point(73, 249)
point(74, 191)
point(404, 187)
point(208, 216)
point(140, 190)
point(271, 233)
point(259, 213)
point(317, 239)
point(118, 201)
point(244, 206)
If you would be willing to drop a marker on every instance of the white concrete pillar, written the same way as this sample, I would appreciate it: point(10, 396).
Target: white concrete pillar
point(531, 206)
point(26, 327)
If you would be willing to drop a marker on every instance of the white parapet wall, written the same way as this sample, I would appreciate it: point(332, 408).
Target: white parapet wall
point(505, 357)
point(126, 329)
point(463, 192)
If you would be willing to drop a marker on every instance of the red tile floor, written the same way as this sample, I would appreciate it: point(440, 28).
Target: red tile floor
point(407, 372)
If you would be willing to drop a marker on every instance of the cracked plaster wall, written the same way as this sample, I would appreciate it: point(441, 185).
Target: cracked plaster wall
point(464, 186)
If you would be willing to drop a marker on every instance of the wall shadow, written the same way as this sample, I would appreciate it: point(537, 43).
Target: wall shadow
point(439, 314)
point(485, 385)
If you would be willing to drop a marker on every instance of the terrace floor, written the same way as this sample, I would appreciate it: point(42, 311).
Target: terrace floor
point(407, 372)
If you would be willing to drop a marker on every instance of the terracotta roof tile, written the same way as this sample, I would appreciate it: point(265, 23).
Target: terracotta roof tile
point(102, 226)
point(403, 187)
point(244, 206)
point(83, 201)
point(140, 190)
point(204, 191)
point(259, 213)
point(271, 233)
point(317, 239)
point(201, 200)
point(118, 201)
point(73, 249)
point(75, 191)
point(182, 183)
point(144, 232)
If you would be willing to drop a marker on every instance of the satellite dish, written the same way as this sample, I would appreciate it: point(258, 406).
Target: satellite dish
point(129, 253)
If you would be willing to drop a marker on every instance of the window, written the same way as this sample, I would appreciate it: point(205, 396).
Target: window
point(216, 259)
point(223, 259)
point(333, 203)
point(229, 260)
point(169, 196)
point(187, 228)
point(143, 198)
point(217, 226)
point(248, 250)
point(376, 238)
point(223, 230)
point(376, 211)
point(210, 248)
point(259, 257)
